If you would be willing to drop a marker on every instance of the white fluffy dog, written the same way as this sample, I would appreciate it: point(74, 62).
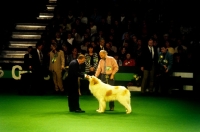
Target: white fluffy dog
point(105, 92)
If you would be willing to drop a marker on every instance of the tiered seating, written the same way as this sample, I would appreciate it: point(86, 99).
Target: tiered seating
point(26, 34)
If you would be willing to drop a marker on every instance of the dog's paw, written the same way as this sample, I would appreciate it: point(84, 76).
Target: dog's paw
point(99, 111)
point(128, 112)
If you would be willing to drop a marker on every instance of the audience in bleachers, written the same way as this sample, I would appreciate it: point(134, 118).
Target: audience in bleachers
point(122, 32)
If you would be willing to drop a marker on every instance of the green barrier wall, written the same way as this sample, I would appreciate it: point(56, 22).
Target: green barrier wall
point(122, 77)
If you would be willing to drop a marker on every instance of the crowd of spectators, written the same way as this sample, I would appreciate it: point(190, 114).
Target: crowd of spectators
point(122, 32)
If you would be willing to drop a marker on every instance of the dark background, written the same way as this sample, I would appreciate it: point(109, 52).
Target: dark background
point(13, 11)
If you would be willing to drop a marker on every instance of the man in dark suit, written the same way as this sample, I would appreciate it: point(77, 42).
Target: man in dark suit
point(149, 61)
point(165, 61)
point(28, 59)
point(38, 69)
point(74, 73)
point(26, 77)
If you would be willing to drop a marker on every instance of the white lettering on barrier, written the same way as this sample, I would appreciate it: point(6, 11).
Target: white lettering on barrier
point(1, 73)
point(22, 72)
point(13, 72)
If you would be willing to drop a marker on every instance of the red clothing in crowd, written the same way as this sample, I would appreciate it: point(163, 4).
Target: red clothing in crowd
point(130, 62)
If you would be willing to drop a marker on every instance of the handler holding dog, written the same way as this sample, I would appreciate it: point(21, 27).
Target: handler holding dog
point(107, 68)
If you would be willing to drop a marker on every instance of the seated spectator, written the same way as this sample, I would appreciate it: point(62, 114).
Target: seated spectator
point(119, 62)
point(66, 53)
point(84, 47)
point(113, 48)
point(72, 56)
point(90, 34)
point(178, 63)
point(180, 46)
point(70, 20)
point(103, 25)
point(63, 25)
point(109, 18)
point(126, 45)
point(95, 17)
point(85, 37)
point(83, 18)
point(76, 36)
point(138, 52)
point(128, 61)
point(122, 54)
point(109, 50)
point(189, 62)
point(69, 42)
point(59, 40)
point(169, 48)
point(100, 35)
point(126, 38)
point(113, 40)
point(93, 28)
point(134, 41)
point(78, 26)
point(94, 44)
point(156, 46)
point(62, 32)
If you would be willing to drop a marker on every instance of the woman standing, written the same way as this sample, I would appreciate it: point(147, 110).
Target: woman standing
point(91, 61)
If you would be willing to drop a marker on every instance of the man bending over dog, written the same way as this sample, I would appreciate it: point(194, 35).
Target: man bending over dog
point(107, 67)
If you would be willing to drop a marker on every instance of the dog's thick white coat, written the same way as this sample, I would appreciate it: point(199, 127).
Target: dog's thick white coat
point(105, 92)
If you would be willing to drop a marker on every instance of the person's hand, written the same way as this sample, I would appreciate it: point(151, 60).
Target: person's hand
point(111, 77)
point(62, 67)
point(30, 67)
point(166, 71)
point(91, 68)
point(165, 66)
point(86, 76)
point(142, 68)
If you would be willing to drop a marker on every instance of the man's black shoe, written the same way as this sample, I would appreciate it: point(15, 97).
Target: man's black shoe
point(79, 111)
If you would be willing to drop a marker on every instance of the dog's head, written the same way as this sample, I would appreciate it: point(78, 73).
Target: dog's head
point(93, 80)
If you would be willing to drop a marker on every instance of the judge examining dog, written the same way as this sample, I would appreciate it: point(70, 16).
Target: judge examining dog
point(107, 69)
point(73, 74)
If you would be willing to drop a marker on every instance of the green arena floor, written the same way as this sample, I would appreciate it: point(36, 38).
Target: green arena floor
point(50, 114)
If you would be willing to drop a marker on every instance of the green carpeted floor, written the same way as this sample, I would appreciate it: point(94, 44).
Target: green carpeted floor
point(50, 114)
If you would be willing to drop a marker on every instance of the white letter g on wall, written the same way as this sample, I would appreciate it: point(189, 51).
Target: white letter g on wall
point(13, 72)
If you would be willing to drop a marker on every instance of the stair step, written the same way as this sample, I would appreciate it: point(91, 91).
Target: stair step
point(44, 18)
point(45, 14)
point(50, 10)
point(22, 45)
point(52, 7)
point(11, 61)
point(26, 35)
point(22, 42)
point(52, 0)
point(30, 26)
point(12, 54)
